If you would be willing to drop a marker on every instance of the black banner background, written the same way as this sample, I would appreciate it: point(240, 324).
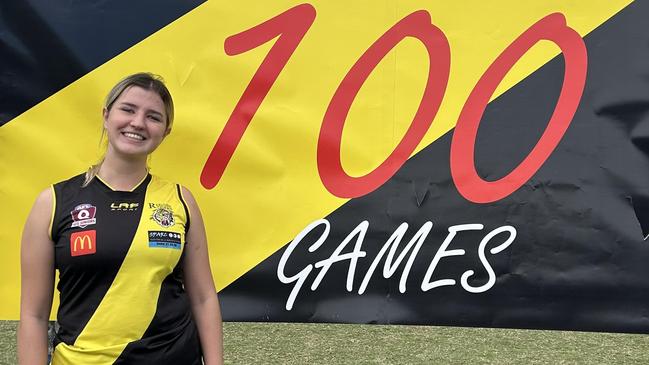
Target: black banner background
point(47, 44)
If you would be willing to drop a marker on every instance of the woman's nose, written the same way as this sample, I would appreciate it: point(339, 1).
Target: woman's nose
point(137, 120)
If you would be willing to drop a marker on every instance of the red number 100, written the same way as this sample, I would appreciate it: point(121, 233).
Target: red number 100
point(292, 25)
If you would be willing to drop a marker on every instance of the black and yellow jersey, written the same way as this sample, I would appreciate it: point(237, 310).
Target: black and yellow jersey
point(119, 256)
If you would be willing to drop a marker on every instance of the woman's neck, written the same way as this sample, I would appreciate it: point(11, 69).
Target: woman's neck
point(122, 175)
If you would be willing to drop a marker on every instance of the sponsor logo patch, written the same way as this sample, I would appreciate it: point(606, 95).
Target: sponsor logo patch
point(162, 239)
point(162, 214)
point(83, 215)
point(124, 206)
point(83, 243)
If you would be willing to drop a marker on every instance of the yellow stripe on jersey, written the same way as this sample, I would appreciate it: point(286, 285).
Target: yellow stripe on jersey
point(49, 229)
point(129, 305)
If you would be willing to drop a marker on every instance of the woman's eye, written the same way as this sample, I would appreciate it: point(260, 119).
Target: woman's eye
point(128, 110)
point(155, 117)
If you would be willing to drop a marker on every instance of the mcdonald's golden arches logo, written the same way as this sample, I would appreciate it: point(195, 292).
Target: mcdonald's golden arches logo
point(83, 243)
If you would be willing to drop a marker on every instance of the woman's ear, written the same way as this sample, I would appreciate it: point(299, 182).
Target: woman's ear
point(104, 113)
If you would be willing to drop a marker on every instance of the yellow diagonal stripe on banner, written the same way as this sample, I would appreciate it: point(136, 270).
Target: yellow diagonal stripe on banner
point(271, 188)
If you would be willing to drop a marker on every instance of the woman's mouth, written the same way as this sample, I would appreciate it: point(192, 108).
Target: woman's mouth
point(133, 136)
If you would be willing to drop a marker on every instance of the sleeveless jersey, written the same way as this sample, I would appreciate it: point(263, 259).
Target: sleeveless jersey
point(119, 255)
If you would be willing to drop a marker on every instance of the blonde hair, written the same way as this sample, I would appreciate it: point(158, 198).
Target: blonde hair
point(147, 81)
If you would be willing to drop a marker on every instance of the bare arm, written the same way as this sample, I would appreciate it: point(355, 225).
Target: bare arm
point(37, 282)
point(200, 287)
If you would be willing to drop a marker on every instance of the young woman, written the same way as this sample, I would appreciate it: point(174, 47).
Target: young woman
point(134, 275)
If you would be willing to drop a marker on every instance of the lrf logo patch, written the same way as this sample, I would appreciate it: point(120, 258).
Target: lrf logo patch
point(83, 243)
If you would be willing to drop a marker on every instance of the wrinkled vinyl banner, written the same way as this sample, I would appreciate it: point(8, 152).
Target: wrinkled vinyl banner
point(431, 162)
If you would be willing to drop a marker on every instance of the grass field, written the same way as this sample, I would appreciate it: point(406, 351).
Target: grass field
point(282, 343)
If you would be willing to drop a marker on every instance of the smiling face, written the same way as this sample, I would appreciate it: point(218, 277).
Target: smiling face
point(136, 123)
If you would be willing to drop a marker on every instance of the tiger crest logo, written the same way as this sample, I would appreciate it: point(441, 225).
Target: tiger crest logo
point(163, 215)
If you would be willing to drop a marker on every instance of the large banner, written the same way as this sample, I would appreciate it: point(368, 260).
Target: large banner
point(463, 163)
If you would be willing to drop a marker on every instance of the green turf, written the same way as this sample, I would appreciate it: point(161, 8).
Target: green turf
point(8, 342)
point(281, 343)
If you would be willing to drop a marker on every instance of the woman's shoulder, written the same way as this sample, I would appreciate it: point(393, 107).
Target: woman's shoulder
point(65, 189)
point(76, 180)
point(164, 181)
point(44, 198)
point(184, 193)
